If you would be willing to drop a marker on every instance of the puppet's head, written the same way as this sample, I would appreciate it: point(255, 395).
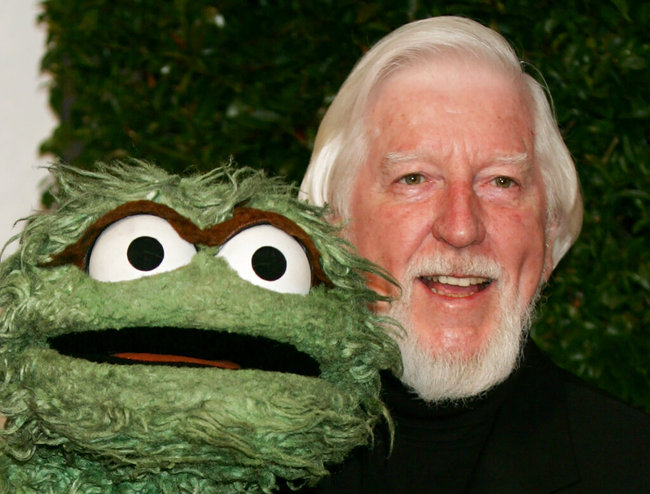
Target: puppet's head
point(198, 334)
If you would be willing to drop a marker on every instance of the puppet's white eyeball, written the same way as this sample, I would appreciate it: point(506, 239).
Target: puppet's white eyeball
point(270, 258)
point(137, 246)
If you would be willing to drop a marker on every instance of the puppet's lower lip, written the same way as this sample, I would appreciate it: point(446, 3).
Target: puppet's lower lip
point(185, 347)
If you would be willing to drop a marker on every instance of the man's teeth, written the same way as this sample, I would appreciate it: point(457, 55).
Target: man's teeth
point(452, 280)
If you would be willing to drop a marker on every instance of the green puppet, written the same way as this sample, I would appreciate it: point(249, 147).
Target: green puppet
point(160, 333)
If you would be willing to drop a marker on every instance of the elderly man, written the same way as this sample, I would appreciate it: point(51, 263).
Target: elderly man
point(444, 164)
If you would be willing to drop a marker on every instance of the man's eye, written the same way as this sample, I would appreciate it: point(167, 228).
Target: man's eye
point(412, 179)
point(504, 182)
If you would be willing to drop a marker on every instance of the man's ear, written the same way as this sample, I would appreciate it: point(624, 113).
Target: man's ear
point(334, 218)
point(550, 235)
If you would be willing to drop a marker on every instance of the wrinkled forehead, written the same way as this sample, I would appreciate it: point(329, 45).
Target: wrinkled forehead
point(443, 94)
point(461, 68)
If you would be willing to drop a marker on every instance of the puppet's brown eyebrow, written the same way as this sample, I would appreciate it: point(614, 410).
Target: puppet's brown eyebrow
point(216, 235)
point(243, 218)
point(76, 253)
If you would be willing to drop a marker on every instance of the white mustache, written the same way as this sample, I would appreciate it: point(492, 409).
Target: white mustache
point(476, 266)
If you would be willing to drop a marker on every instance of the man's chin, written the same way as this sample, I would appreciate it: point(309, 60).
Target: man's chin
point(463, 372)
point(459, 375)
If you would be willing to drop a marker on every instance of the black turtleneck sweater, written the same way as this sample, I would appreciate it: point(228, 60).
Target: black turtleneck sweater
point(436, 447)
point(540, 431)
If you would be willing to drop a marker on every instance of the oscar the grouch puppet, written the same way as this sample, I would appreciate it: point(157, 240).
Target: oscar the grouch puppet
point(200, 334)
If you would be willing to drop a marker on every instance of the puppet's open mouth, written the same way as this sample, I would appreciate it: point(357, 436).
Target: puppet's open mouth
point(185, 347)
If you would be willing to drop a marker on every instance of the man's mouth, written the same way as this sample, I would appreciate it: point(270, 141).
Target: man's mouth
point(185, 347)
point(455, 286)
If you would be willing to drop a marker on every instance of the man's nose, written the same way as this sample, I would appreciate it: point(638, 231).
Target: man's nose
point(458, 218)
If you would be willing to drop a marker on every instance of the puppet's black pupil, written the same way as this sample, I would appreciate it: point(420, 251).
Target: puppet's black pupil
point(145, 253)
point(269, 263)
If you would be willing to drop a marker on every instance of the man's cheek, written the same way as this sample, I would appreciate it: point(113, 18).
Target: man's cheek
point(382, 286)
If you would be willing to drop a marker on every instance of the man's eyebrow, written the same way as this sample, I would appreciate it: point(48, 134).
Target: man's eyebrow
point(395, 157)
point(517, 159)
point(521, 160)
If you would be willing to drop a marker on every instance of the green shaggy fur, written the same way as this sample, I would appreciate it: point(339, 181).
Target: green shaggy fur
point(78, 426)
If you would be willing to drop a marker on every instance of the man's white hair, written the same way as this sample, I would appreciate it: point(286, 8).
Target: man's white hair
point(342, 143)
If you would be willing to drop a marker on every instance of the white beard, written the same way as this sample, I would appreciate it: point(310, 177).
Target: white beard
point(439, 377)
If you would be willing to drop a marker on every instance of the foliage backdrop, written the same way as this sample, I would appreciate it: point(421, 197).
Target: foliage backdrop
point(188, 83)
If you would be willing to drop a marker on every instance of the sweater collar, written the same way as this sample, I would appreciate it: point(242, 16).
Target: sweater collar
point(529, 441)
point(534, 417)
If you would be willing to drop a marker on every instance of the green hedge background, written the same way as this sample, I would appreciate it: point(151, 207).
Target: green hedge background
point(188, 83)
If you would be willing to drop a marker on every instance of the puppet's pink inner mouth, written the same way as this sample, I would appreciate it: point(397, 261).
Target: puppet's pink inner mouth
point(185, 347)
point(136, 357)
